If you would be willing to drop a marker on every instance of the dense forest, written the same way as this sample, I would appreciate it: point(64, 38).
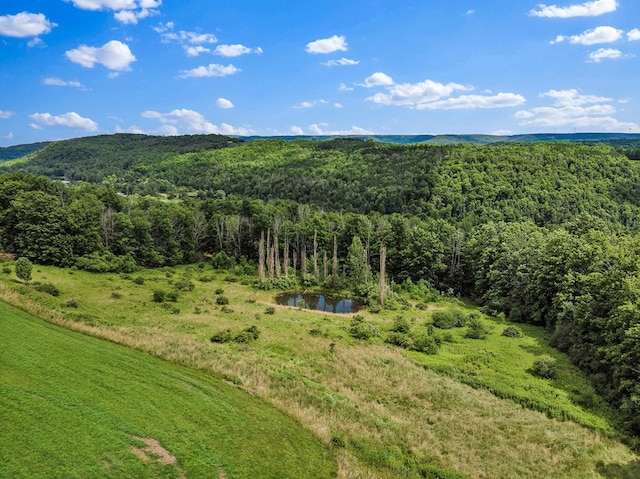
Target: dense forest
point(544, 233)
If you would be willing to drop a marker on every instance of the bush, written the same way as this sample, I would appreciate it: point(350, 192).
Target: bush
point(222, 300)
point(47, 288)
point(427, 344)
point(544, 367)
point(477, 329)
point(185, 285)
point(219, 291)
point(444, 319)
point(106, 262)
point(72, 303)
point(158, 296)
point(172, 296)
point(245, 336)
point(270, 310)
point(138, 280)
point(399, 339)
point(361, 330)
point(512, 332)
point(222, 260)
point(401, 325)
point(6, 269)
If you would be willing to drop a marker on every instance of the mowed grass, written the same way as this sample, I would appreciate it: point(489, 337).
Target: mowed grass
point(72, 406)
point(384, 412)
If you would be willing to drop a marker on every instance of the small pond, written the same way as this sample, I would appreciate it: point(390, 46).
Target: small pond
point(319, 302)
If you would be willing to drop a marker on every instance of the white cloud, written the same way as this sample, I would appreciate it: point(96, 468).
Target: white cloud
point(8, 136)
point(341, 63)
point(211, 70)
point(604, 54)
point(633, 35)
point(468, 102)
point(127, 11)
point(296, 130)
point(573, 109)
point(416, 94)
point(309, 104)
point(235, 50)
point(573, 98)
point(24, 25)
point(6, 114)
point(327, 45)
point(194, 51)
point(114, 55)
point(337, 105)
point(591, 37)
point(189, 121)
point(503, 133)
point(378, 79)
point(317, 129)
point(69, 120)
point(183, 37)
point(224, 103)
point(470, 12)
point(59, 82)
point(344, 87)
point(587, 9)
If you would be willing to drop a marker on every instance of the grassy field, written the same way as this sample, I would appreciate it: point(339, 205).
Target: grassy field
point(75, 406)
point(472, 410)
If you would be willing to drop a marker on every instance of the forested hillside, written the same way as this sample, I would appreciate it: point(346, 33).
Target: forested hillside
point(544, 233)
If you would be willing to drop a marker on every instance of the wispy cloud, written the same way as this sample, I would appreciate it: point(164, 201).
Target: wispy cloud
point(597, 35)
point(309, 104)
point(52, 81)
point(588, 9)
point(182, 121)
point(211, 70)
point(604, 54)
point(4, 115)
point(575, 110)
point(193, 43)
point(341, 62)
point(327, 45)
point(127, 11)
point(235, 50)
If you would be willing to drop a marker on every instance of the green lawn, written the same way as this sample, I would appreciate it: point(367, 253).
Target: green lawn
point(74, 406)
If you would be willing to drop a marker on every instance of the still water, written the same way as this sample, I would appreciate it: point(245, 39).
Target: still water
point(319, 302)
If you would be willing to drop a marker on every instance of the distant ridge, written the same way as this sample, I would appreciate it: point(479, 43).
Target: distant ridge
point(18, 151)
point(468, 139)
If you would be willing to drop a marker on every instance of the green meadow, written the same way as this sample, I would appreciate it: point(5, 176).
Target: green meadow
point(73, 406)
point(304, 399)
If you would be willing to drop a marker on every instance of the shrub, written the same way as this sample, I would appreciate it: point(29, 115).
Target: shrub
point(115, 295)
point(399, 339)
point(138, 280)
point(224, 336)
point(270, 310)
point(219, 291)
point(444, 319)
point(512, 332)
point(72, 303)
point(363, 331)
point(245, 336)
point(185, 285)
point(544, 367)
point(426, 344)
point(23, 269)
point(460, 319)
point(222, 300)
point(6, 269)
point(106, 262)
point(172, 296)
point(401, 325)
point(477, 329)
point(222, 260)
point(47, 288)
point(158, 296)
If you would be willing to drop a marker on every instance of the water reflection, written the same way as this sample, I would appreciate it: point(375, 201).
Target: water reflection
point(319, 302)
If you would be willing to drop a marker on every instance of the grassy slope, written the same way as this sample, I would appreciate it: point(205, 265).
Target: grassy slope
point(389, 412)
point(74, 406)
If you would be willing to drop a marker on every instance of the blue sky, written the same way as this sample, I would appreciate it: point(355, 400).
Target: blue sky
point(72, 68)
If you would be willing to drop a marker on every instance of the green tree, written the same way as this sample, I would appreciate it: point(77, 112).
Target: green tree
point(23, 269)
